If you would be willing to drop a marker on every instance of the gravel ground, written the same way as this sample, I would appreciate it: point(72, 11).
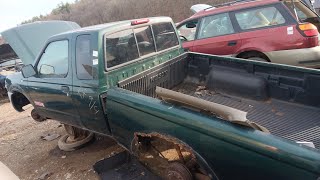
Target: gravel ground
point(30, 157)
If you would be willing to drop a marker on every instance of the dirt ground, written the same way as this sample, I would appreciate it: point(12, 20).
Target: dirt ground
point(30, 157)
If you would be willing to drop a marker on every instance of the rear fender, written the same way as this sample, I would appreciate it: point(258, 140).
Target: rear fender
point(169, 138)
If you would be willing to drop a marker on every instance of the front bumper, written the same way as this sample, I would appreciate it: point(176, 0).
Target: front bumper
point(307, 57)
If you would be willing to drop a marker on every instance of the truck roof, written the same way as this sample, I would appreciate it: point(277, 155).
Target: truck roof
point(28, 40)
point(115, 25)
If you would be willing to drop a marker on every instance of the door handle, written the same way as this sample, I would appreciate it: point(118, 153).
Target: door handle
point(65, 89)
point(232, 43)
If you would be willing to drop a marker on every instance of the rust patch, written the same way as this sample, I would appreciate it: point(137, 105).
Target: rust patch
point(157, 151)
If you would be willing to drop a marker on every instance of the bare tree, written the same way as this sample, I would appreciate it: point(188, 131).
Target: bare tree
point(91, 12)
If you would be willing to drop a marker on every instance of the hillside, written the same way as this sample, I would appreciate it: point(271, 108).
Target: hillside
point(91, 12)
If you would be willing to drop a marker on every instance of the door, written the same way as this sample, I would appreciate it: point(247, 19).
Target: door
point(51, 88)
point(267, 28)
point(187, 32)
point(85, 85)
point(216, 35)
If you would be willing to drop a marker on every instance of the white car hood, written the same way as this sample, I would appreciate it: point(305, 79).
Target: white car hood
point(199, 7)
point(27, 40)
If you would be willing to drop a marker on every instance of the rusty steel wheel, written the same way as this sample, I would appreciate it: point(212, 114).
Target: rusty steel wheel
point(74, 139)
point(177, 171)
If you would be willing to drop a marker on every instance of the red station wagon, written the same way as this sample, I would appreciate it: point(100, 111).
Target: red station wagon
point(278, 31)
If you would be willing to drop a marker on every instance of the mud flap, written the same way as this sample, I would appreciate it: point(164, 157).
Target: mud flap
point(122, 166)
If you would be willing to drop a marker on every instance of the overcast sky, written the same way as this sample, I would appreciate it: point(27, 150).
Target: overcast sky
point(13, 12)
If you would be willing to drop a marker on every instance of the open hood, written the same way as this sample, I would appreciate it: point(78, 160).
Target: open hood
point(27, 40)
point(199, 7)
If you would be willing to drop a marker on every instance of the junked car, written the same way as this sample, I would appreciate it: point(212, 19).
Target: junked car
point(278, 31)
point(184, 115)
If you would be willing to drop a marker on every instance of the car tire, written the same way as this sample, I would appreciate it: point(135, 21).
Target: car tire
point(177, 170)
point(71, 146)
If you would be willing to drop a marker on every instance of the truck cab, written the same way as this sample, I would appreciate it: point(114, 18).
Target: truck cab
point(74, 69)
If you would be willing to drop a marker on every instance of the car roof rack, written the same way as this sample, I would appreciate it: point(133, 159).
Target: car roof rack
point(229, 3)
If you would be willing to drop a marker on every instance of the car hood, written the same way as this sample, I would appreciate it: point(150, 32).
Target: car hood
point(199, 7)
point(27, 40)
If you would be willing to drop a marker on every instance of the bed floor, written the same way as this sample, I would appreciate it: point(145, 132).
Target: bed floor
point(288, 120)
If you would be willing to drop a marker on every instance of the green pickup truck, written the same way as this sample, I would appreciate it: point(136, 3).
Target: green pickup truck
point(184, 115)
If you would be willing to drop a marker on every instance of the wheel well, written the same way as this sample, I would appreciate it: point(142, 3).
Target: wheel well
point(18, 101)
point(248, 54)
point(155, 149)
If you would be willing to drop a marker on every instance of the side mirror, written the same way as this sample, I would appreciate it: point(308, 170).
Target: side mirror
point(46, 69)
point(191, 25)
point(28, 71)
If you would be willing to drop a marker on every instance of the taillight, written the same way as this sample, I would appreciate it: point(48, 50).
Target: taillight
point(308, 30)
point(139, 21)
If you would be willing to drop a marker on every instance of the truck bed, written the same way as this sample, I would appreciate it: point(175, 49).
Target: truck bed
point(283, 99)
point(284, 119)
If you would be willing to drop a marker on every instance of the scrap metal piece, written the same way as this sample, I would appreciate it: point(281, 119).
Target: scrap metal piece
point(225, 112)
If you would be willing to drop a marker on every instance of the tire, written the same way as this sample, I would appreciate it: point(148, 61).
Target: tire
point(177, 170)
point(65, 146)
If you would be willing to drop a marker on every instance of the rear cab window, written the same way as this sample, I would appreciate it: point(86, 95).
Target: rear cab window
point(165, 36)
point(144, 40)
point(127, 45)
point(120, 47)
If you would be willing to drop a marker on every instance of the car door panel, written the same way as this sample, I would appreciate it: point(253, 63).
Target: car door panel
point(222, 45)
point(267, 28)
point(216, 35)
point(51, 89)
point(85, 92)
point(264, 39)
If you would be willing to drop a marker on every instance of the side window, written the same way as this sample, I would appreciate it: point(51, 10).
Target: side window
point(54, 60)
point(259, 17)
point(83, 57)
point(121, 47)
point(188, 31)
point(165, 36)
point(216, 25)
point(144, 40)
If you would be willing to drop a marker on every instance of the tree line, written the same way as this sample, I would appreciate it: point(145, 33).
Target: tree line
point(91, 12)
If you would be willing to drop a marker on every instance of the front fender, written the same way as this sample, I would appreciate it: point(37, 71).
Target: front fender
point(15, 83)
